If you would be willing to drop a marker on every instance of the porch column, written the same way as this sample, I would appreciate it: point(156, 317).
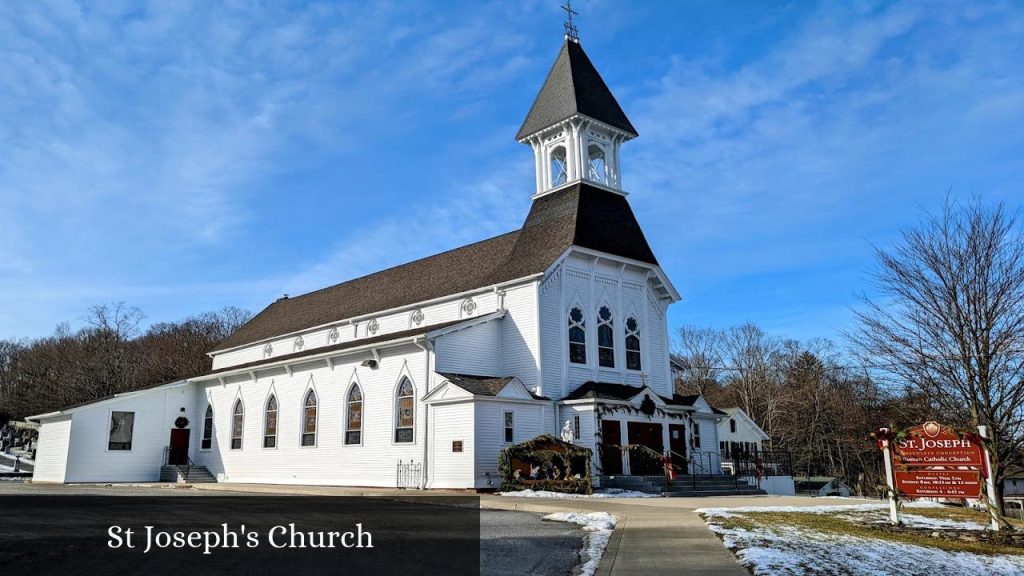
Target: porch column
point(624, 432)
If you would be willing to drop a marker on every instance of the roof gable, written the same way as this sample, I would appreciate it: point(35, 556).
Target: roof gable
point(573, 86)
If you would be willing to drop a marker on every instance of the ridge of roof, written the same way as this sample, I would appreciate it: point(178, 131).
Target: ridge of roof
point(577, 215)
point(573, 86)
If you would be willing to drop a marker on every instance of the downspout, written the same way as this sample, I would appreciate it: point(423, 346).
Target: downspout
point(426, 409)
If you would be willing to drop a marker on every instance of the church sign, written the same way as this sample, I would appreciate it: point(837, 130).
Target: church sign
point(932, 461)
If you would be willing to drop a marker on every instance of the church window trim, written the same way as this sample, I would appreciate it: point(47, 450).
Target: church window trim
point(310, 419)
point(605, 337)
point(271, 421)
point(510, 426)
point(577, 335)
point(354, 405)
point(122, 430)
point(404, 424)
point(237, 424)
point(206, 442)
point(634, 356)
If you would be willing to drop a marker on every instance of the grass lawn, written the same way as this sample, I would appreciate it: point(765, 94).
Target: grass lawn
point(843, 540)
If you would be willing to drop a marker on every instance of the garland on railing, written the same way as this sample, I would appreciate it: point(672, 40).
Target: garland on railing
point(603, 409)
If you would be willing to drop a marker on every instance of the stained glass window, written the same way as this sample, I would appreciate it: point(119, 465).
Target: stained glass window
point(354, 422)
point(577, 337)
point(309, 420)
point(405, 411)
point(237, 422)
point(633, 344)
point(270, 423)
point(605, 338)
point(207, 442)
point(121, 427)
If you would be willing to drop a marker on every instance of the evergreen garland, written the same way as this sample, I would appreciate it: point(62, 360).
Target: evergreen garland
point(539, 450)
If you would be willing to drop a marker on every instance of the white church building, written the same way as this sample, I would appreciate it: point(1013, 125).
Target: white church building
point(419, 375)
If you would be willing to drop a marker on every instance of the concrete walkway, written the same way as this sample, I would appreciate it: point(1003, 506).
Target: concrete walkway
point(653, 536)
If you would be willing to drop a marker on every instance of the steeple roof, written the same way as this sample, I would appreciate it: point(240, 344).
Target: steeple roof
point(573, 86)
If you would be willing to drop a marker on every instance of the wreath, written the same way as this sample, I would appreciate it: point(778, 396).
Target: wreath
point(181, 422)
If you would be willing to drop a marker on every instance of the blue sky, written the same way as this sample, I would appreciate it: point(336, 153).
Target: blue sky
point(186, 156)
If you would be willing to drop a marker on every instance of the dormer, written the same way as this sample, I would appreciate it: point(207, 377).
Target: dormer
point(575, 126)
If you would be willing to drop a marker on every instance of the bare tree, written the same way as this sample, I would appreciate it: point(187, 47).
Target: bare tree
point(699, 352)
point(948, 319)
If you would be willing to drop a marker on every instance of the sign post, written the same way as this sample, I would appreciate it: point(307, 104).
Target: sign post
point(894, 516)
point(990, 481)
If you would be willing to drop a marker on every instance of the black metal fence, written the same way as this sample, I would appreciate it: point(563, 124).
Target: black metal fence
point(759, 463)
point(409, 474)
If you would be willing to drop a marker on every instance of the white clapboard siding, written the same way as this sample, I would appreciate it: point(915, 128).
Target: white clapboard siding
point(330, 461)
point(451, 423)
point(52, 451)
point(473, 350)
point(520, 347)
point(490, 433)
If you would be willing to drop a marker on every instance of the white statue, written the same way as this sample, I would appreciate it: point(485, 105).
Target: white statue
point(567, 432)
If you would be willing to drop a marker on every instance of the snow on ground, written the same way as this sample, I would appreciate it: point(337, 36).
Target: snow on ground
point(788, 550)
point(598, 526)
point(609, 493)
point(6, 468)
point(814, 509)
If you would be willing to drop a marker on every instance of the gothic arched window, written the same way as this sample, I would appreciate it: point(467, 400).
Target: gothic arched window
point(237, 422)
point(309, 419)
point(598, 169)
point(559, 167)
point(605, 338)
point(354, 418)
point(270, 423)
point(207, 442)
point(632, 344)
point(404, 411)
point(577, 337)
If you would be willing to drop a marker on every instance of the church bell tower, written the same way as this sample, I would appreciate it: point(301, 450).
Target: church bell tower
point(575, 126)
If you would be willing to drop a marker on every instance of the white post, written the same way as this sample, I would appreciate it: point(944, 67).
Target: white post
point(990, 482)
point(894, 516)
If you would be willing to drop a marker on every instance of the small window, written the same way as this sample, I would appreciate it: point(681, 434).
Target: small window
point(309, 419)
point(576, 426)
point(559, 167)
point(694, 434)
point(270, 423)
point(605, 338)
point(598, 169)
point(633, 344)
point(121, 427)
point(404, 411)
point(237, 422)
point(577, 337)
point(354, 420)
point(510, 430)
point(207, 441)
point(732, 425)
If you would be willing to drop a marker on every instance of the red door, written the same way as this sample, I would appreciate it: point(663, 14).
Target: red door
point(178, 453)
point(611, 454)
point(646, 462)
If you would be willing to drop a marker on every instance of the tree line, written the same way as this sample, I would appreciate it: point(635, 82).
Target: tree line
point(938, 336)
point(110, 354)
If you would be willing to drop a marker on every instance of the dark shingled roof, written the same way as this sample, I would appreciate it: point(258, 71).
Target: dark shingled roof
point(573, 86)
point(478, 385)
point(580, 215)
point(609, 391)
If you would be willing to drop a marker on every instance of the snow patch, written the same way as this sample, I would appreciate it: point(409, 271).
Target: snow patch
point(788, 550)
point(609, 493)
point(826, 509)
point(598, 526)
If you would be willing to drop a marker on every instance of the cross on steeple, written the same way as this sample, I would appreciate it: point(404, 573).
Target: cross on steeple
point(571, 33)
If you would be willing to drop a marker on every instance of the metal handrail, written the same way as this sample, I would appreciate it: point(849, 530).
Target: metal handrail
point(184, 469)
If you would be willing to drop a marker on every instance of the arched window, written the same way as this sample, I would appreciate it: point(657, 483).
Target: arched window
point(237, 421)
point(309, 419)
point(605, 338)
point(354, 420)
point(207, 442)
point(577, 337)
point(559, 167)
point(404, 411)
point(598, 171)
point(270, 423)
point(633, 344)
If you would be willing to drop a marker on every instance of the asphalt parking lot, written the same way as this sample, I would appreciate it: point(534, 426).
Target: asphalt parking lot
point(52, 523)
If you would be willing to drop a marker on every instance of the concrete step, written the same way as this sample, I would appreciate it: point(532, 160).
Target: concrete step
point(196, 475)
point(702, 493)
